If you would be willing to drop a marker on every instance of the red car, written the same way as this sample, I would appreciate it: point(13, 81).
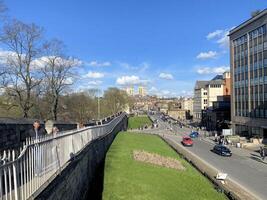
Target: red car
point(187, 141)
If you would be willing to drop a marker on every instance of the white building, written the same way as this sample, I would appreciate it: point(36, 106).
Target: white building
point(141, 91)
point(200, 99)
point(130, 90)
point(187, 104)
point(207, 92)
point(214, 89)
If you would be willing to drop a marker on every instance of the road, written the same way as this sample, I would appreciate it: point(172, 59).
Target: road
point(250, 174)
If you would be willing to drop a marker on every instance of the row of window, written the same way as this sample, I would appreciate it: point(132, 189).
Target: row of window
point(256, 97)
point(253, 82)
point(256, 113)
point(259, 59)
point(253, 34)
point(257, 32)
point(246, 131)
point(253, 50)
point(256, 66)
point(215, 86)
point(256, 89)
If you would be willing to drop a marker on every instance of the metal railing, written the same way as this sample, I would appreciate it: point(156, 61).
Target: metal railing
point(23, 173)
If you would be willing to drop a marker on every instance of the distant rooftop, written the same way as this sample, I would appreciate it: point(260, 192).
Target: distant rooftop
point(218, 77)
point(201, 84)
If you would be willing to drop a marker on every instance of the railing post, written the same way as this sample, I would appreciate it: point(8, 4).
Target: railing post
point(58, 160)
point(5, 175)
point(15, 175)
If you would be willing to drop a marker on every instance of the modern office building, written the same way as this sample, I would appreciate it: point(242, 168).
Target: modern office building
point(248, 55)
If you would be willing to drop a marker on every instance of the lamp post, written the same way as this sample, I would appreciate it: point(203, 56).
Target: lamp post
point(98, 104)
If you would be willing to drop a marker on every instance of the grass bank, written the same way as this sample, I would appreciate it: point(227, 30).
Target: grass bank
point(127, 179)
point(138, 121)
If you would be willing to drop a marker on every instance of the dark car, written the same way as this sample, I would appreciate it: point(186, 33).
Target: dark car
point(222, 150)
point(187, 141)
point(194, 134)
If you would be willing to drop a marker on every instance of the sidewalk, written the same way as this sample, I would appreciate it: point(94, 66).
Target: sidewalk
point(240, 151)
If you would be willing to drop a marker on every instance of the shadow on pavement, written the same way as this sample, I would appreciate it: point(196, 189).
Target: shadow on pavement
point(257, 158)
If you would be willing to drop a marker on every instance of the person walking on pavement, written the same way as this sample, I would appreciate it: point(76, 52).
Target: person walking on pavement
point(262, 153)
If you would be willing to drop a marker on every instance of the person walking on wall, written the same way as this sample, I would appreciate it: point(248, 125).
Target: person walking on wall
point(37, 131)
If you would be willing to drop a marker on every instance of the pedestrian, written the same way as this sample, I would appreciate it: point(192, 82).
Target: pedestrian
point(55, 131)
point(262, 153)
point(37, 131)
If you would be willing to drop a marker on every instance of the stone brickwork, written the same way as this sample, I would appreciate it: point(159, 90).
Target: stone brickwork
point(77, 180)
point(14, 131)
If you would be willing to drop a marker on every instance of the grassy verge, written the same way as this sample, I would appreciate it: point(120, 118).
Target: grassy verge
point(127, 179)
point(138, 121)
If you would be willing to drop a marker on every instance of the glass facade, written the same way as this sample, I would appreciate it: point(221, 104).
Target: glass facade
point(250, 74)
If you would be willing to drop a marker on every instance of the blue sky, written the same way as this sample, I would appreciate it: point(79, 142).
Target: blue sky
point(165, 44)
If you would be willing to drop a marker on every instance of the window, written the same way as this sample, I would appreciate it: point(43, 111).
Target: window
point(265, 46)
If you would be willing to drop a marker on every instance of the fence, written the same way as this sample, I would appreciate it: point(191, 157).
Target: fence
point(22, 173)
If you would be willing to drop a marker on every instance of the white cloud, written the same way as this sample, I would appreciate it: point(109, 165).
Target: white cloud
point(5, 55)
point(94, 75)
point(207, 55)
point(38, 63)
point(141, 67)
point(212, 70)
point(221, 37)
point(130, 80)
point(224, 40)
point(42, 61)
point(153, 89)
point(166, 76)
point(95, 63)
point(165, 92)
point(69, 81)
point(214, 34)
point(96, 82)
point(186, 93)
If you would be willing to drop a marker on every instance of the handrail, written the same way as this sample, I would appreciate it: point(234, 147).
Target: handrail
point(39, 159)
point(59, 135)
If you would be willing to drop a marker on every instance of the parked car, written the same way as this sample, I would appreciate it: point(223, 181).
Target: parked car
point(187, 141)
point(222, 150)
point(194, 134)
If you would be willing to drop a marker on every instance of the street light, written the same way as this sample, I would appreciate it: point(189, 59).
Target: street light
point(98, 103)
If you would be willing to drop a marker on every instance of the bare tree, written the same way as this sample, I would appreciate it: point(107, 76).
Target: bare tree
point(23, 47)
point(58, 73)
point(115, 100)
point(3, 9)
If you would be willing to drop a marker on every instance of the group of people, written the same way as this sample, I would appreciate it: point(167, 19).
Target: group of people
point(38, 131)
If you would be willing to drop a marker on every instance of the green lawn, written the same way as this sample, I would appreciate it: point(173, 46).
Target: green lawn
point(127, 179)
point(138, 121)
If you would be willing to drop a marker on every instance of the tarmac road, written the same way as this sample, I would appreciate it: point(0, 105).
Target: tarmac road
point(247, 172)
